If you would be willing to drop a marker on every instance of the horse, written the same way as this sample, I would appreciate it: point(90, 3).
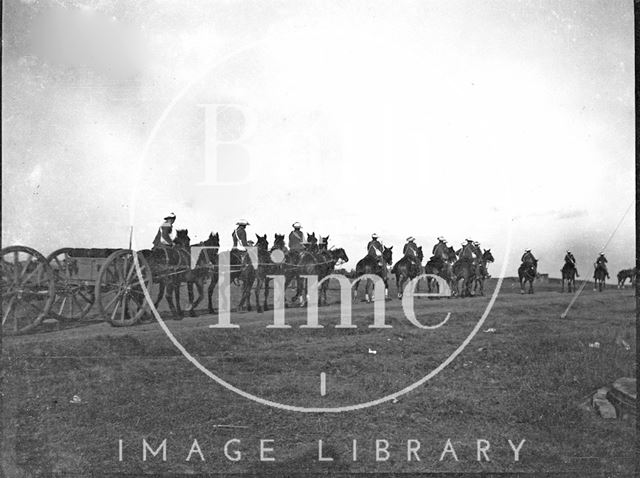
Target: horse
point(442, 265)
point(168, 267)
point(323, 245)
point(209, 259)
point(327, 260)
point(307, 264)
point(464, 269)
point(201, 270)
point(527, 273)
point(623, 275)
point(599, 277)
point(407, 268)
point(481, 272)
point(265, 267)
point(371, 265)
point(569, 273)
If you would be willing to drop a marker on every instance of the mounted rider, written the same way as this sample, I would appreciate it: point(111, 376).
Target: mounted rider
point(440, 250)
point(477, 250)
point(570, 261)
point(375, 249)
point(296, 238)
point(163, 236)
point(528, 257)
point(411, 249)
point(467, 251)
point(239, 236)
point(601, 262)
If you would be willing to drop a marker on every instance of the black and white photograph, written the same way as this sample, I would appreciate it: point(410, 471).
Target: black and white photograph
point(319, 238)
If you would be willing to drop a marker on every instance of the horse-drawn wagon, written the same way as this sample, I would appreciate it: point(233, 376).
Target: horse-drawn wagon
point(68, 283)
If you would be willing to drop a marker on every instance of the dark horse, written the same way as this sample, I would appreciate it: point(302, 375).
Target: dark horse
point(407, 268)
point(306, 264)
point(371, 265)
point(326, 264)
point(624, 274)
point(481, 272)
point(442, 265)
point(241, 270)
point(171, 266)
point(196, 274)
point(265, 267)
point(527, 273)
point(569, 273)
point(599, 277)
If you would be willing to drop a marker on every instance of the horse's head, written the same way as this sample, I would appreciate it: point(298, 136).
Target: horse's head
point(213, 240)
point(387, 254)
point(339, 255)
point(262, 242)
point(312, 239)
point(182, 238)
point(278, 241)
point(487, 256)
point(451, 254)
point(324, 242)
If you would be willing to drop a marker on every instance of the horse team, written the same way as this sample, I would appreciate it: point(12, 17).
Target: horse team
point(465, 270)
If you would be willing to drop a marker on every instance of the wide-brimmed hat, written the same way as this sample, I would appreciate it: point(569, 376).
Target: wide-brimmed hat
point(441, 238)
point(476, 243)
point(297, 225)
point(170, 216)
point(527, 250)
point(242, 222)
point(410, 239)
point(602, 253)
point(469, 240)
point(374, 236)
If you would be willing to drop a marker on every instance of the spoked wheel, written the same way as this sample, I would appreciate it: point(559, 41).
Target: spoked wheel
point(119, 294)
point(28, 289)
point(74, 297)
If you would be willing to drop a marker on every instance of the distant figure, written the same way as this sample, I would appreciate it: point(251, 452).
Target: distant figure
point(239, 236)
point(528, 257)
point(570, 260)
point(601, 262)
point(296, 238)
point(163, 236)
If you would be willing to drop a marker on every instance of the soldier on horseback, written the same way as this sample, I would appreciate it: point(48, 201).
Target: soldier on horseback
point(601, 262)
point(163, 236)
point(570, 261)
point(441, 249)
point(467, 252)
point(410, 249)
point(375, 248)
point(528, 257)
point(239, 236)
point(296, 238)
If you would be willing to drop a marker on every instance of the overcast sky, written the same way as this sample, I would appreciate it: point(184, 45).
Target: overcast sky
point(396, 117)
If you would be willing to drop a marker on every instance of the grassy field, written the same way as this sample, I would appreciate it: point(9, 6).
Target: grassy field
point(523, 376)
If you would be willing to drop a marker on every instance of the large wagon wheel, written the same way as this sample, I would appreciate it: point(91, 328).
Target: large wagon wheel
point(118, 291)
point(74, 297)
point(27, 288)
